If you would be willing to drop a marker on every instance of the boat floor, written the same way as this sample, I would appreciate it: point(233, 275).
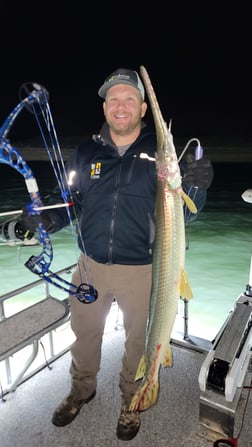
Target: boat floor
point(25, 416)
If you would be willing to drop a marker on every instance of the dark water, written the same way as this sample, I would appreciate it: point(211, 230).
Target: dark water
point(219, 241)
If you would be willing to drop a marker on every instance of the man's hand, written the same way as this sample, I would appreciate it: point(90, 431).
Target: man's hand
point(198, 172)
point(29, 221)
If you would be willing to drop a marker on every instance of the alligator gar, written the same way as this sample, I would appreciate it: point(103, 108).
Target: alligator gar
point(169, 279)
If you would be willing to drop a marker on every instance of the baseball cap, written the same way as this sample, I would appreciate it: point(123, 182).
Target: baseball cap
point(122, 76)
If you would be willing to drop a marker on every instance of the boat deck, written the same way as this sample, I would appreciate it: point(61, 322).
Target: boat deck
point(25, 416)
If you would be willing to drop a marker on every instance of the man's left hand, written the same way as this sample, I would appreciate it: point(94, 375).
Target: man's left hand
point(198, 172)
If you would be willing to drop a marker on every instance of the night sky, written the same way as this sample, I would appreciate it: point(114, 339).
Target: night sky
point(197, 53)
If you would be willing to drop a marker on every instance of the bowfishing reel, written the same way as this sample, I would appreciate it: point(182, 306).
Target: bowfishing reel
point(86, 293)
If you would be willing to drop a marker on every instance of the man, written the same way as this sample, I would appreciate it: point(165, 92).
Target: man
point(115, 193)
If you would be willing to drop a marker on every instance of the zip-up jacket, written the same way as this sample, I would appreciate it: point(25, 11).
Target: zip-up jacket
point(115, 199)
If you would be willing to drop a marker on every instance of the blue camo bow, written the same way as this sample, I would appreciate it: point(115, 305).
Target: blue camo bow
point(37, 102)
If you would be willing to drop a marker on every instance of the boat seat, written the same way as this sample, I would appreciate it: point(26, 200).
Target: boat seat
point(28, 326)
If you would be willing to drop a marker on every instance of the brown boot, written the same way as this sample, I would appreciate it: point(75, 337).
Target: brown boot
point(128, 424)
point(68, 409)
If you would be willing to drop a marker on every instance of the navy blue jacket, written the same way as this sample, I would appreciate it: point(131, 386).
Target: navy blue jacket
point(115, 199)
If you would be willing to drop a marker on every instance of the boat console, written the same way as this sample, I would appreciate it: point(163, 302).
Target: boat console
point(227, 368)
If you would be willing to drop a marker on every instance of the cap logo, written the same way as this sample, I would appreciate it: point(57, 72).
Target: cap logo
point(119, 76)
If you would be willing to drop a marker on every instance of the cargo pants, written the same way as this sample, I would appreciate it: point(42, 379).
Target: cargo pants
point(130, 286)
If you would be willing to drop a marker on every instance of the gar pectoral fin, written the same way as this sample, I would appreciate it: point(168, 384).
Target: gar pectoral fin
point(189, 203)
point(185, 288)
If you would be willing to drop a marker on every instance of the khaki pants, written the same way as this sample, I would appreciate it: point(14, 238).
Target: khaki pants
point(131, 287)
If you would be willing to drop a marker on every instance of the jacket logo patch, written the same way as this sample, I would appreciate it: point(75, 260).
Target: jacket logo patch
point(95, 171)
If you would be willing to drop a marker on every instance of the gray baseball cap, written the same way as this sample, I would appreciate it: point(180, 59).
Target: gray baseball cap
point(122, 76)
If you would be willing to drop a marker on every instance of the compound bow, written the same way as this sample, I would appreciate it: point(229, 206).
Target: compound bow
point(37, 101)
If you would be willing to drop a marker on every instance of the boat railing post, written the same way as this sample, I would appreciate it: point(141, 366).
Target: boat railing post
point(186, 318)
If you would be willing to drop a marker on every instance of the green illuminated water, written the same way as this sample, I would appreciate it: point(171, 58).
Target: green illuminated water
point(219, 245)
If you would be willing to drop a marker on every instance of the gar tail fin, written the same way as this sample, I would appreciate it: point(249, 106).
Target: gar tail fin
point(145, 396)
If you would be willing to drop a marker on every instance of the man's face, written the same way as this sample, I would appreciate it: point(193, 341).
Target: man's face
point(123, 109)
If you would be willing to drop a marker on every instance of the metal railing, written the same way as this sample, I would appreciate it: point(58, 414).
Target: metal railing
point(47, 344)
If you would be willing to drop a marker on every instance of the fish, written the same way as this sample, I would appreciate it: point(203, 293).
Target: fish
point(169, 278)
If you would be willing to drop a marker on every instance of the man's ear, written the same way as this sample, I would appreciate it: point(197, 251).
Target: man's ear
point(143, 109)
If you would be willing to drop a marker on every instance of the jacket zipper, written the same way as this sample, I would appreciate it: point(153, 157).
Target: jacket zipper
point(110, 248)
